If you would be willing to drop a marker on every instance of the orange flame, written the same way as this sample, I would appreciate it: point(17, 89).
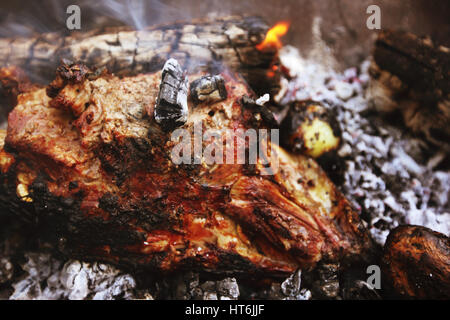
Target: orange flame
point(272, 37)
point(271, 73)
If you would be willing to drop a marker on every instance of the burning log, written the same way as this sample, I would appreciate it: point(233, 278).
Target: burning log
point(201, 45)
point(412, 75)
point(416, 263)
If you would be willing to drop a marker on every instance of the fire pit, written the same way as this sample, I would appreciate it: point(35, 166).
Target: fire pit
point(101, 210)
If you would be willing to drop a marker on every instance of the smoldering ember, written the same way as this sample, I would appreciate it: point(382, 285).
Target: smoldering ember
point(143, 158)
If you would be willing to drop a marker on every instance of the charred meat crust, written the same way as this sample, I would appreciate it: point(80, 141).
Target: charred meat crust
point(70, 73)
point(102, 180)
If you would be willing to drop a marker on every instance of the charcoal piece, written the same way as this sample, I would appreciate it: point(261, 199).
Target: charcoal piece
point(208, 89)
point(171, 105)
point(265, 112)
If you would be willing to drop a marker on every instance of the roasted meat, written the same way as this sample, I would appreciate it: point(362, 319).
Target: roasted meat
point(86, 160)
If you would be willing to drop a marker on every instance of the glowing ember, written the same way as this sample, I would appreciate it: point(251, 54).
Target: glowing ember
point(271, 73)
point(272, 37)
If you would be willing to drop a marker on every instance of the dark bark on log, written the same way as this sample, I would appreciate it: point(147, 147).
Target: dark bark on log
point(418, 62)
point(197, 45)
point(412, 75)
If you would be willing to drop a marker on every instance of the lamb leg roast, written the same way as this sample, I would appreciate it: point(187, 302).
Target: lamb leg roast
point(89, 159)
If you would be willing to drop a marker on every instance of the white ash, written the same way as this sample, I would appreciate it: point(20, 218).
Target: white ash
point(263, 99)
point(291, 288)
point(387, 176)
point(190, 286)
point(47, 278)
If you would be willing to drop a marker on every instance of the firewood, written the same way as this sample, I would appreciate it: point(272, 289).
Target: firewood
point(418, 62)
point(412, 74)
point(198, 45)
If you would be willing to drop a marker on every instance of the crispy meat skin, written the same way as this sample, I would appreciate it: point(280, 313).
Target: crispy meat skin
point(93, 168)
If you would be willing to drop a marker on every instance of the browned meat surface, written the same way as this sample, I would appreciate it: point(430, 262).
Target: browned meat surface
point(416, 263)
point(90, 164)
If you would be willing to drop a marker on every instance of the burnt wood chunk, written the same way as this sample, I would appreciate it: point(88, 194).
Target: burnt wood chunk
point(171, 108)
point(208, 89)
point(259, 111)
point(417, 61)
point(411, 74)
point(416, 264)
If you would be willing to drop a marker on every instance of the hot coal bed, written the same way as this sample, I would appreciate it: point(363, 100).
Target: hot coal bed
point(391, 176)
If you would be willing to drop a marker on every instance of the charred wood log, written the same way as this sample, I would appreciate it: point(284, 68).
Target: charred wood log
point(412, 74)
point(418, 62)
point(416, 264)
point(198, 45)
